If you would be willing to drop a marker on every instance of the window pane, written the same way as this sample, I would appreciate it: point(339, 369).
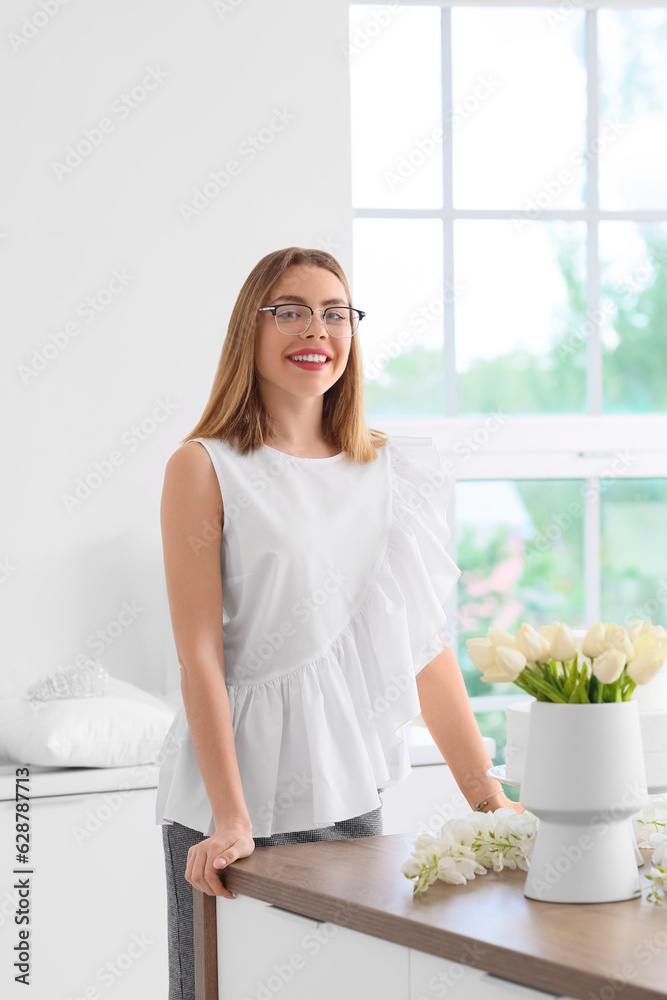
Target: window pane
point(633, 557)
point(632, 47)
point(633, 282)
point(519, 108)
point(398, 280)
point(519, 308)
point(396, 106)
point(520, 548)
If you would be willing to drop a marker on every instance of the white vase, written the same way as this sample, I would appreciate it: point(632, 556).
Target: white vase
point(584, 777)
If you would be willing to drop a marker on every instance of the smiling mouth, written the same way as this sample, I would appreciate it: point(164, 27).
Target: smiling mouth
point(311, 361)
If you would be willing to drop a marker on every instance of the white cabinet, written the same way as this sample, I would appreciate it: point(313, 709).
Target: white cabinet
point(98, 907)
point(265, 951)
point(432, 977)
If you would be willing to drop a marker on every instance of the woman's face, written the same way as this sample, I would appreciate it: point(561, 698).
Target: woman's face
point(318, 288)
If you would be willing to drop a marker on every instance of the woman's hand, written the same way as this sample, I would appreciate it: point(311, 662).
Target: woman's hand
point(213, 855)
point(501, 801)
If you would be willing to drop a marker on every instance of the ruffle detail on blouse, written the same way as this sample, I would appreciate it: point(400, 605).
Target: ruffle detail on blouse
point(315, 744)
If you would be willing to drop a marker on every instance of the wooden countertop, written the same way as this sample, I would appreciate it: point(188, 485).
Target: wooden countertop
point(488, 923)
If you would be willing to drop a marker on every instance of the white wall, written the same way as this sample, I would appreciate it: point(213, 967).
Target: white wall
point(219, 72)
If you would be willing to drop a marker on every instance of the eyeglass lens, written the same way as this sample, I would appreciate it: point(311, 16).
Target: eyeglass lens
point(340, 321)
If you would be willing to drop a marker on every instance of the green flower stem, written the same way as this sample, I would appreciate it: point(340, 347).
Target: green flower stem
point(580, 694)
point(533, 683)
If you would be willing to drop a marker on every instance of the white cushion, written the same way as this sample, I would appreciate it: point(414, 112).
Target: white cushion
point(124, 726)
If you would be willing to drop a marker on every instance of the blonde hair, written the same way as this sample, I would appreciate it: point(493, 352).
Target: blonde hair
point(235, 411)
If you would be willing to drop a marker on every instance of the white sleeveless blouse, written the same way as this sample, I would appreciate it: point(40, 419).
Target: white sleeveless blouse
point(334, 577)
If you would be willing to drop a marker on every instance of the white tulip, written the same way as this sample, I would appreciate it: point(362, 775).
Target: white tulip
point(498, 663)
point(637, 628)
point(480, 653)
point(645, 636)
point(643, 668)
point(617, 638)
point(533, 645)
point(608, 666)
point(593, 643)
point(560, 640)
point(498, 637)
point(511, 661)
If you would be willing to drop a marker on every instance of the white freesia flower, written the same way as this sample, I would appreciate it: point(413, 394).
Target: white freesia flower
point(413, 866)
point(659, 856)
point(651, 820)
point(498, 662)
point(458, 869)
point(503, 839)
point(469, 846)
point(561, 641)
point(532, 644)
point(608, 666)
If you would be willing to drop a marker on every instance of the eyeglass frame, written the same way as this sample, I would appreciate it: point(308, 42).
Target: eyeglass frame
point(360, 313)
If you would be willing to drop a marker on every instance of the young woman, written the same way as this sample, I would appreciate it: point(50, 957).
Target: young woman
point(327, 540)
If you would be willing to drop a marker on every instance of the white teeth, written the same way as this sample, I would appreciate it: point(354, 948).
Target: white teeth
point(308, 357)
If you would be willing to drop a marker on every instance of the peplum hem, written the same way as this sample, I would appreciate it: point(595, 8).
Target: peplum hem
point(332, 730)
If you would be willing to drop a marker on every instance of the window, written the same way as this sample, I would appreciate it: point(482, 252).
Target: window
point(509, 187)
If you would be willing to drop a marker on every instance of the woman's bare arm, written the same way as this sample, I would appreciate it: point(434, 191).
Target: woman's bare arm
point(191, 517)
point(449, 717)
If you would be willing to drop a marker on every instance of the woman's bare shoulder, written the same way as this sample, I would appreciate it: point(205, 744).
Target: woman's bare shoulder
point(190, 470)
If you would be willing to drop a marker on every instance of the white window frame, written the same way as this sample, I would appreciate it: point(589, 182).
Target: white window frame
point(590, 446)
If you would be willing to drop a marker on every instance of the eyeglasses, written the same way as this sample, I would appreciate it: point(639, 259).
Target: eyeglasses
point(293, 319)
